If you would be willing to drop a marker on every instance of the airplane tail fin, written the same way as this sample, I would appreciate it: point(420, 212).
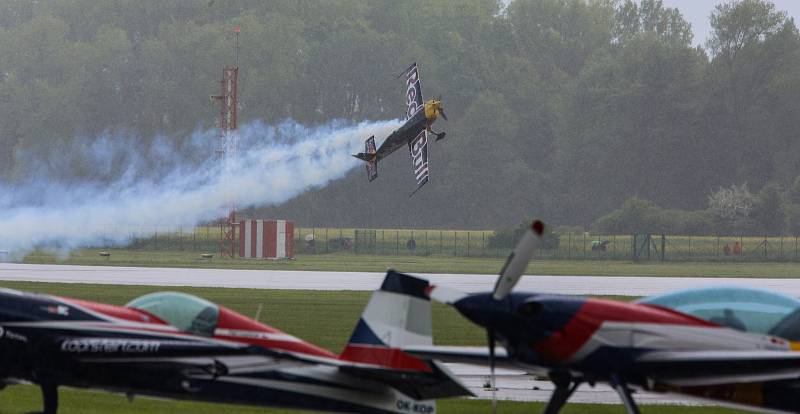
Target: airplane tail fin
point(369, 156)
point(399, 315)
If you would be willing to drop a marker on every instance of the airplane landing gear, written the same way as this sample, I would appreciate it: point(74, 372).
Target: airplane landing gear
point(624, 394)
point(49, 397)
point(565, 387)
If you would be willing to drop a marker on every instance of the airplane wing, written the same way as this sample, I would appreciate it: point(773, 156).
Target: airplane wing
point(414, 101)
point(418, 149)
point(138, 352)
point(475, 355)
point(700, 368)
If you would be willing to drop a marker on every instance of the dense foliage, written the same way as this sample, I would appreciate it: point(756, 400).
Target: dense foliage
point(561, 109)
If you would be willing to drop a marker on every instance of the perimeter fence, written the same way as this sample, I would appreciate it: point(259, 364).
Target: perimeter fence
point(457, 243)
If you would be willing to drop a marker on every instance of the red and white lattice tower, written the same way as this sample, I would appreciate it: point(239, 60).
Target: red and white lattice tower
point(228, 143)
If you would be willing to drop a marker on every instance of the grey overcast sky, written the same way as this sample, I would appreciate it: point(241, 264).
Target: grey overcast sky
point(697, 12)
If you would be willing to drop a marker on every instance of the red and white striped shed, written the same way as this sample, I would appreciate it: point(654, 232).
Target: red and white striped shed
point(266, 239)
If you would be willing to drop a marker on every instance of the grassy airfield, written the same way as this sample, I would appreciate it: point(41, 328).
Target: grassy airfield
point(323, 318)
point(420, 264)
point(23, 399)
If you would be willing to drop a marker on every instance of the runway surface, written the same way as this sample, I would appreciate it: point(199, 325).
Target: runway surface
point(516, 386)
point(512, 385)
point(307, 280)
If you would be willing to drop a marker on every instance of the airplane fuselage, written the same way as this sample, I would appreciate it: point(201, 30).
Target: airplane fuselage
point(53, 341)
point(599, 338)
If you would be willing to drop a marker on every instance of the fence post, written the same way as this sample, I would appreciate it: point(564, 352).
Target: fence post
point(156, 239)
point(427, 247)
point(663, 246)
point(483, 243)
point(614, 246)
point(467, 243)
point(455, 243)
point(383, 241)
point(397, 242)
point(584, 245)
point(765, 247)
point(780, 255)
point(569, 245)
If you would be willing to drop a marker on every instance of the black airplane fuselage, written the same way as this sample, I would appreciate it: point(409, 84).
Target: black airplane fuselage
point(174, 345)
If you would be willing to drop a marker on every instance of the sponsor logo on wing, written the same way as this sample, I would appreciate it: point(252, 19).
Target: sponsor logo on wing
point(413, 93)
point(414, 406)
point(268, 336)
point(109, 346)
point(5, 333)
point(419, 156)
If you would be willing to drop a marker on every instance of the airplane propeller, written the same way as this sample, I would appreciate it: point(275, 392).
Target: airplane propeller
point(492, 383)
point(441, 108)
point(509, 276)
point(517, 261)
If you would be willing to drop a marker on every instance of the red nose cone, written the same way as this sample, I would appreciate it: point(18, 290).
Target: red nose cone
point(538, 227)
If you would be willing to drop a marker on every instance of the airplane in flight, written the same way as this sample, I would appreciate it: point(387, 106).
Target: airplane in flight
point(420, 115)
point(731, 345)
point(175, 345)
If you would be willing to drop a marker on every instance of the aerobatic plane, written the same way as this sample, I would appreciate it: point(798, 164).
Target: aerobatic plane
point(732, 345)
point(420, 115)
point(180, 346)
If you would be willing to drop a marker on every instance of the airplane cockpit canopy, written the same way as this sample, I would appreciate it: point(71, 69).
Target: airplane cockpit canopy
point(185, 312)
point(742, 308)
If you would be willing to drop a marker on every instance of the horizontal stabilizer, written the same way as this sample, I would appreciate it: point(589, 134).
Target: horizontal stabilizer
point(369, 156)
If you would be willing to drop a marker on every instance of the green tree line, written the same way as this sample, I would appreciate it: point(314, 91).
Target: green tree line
point(561, 109)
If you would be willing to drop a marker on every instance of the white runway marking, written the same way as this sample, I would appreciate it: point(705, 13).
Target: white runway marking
point(512, 385)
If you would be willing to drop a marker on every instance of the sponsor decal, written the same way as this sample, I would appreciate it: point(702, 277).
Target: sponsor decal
point(109, 346)
point(415, 407)
point(413, 92)
point(419, 157)
point(5, 333)
point(57, 310)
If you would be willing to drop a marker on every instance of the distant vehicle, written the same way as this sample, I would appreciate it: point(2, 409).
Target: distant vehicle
point(420, 115)
point(733, 345)
point(175, 345)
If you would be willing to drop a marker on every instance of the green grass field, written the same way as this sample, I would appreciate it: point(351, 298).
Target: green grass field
point(422, 264)
point(323, 318)
point(25, 398)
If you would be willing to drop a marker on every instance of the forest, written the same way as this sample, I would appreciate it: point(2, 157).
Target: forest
point(595, 113)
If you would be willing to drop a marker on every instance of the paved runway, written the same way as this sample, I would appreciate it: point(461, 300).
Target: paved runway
point(286, 279)
point(512, 385)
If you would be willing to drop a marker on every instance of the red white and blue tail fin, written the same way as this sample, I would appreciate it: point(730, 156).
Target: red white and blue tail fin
point(397, 315)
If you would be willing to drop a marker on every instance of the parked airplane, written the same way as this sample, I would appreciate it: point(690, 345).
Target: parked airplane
point(732, 345)
point(420, 115)
point(176, 345)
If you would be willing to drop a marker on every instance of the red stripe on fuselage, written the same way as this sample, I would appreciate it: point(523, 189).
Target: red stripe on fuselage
point(562, 344)
point(119, 312)
point(229, 319)
point(383, 356)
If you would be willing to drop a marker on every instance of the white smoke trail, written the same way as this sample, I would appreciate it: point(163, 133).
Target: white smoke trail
point(274, 165)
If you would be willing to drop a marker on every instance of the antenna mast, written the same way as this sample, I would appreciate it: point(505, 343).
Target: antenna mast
point(228, 143)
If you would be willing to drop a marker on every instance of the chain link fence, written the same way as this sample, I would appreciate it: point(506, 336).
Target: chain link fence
point(457, 243)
